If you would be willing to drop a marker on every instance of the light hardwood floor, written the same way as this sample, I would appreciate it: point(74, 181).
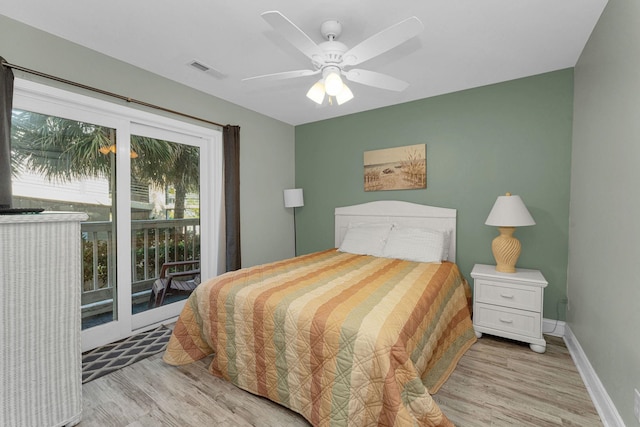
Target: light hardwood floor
point(497, 383)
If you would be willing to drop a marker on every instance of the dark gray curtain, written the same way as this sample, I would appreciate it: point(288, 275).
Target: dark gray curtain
point(6, 102)
point(231, 141)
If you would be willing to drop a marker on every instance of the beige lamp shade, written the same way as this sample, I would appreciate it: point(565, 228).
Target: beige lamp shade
point(293, 198)
point(507, 213)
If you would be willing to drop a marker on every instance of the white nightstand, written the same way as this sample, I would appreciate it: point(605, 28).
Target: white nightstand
point(509, 305)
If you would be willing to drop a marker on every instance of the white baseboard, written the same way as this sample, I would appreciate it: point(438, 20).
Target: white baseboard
point(553, 327)
point(601, 400)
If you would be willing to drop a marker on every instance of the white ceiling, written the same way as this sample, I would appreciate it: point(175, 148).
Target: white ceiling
point(465, 44)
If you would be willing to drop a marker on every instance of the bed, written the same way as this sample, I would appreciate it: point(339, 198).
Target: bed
point(343, 338)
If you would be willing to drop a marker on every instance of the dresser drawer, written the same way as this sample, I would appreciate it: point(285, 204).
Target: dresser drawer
point(509, 320)
point(508, 295)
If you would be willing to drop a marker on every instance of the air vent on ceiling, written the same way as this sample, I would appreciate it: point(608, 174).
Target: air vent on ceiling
point(200, 66)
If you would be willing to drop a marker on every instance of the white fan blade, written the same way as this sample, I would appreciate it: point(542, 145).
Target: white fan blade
point(284, 75)
point(383, 41)
point(292, 33)
point(379, 80)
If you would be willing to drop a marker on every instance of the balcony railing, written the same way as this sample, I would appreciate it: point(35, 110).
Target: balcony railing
point(154, 242)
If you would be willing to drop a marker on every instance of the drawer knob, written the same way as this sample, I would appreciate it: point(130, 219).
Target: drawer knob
point(508, 296)
point(506, 320)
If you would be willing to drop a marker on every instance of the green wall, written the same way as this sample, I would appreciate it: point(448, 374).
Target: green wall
point(604, 293)
point(481, 143)
point(266, 145)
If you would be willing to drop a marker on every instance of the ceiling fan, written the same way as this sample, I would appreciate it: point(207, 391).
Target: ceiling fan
point(333, 59)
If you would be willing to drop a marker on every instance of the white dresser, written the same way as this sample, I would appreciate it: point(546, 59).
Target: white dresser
point(41, 369)
point(509, 304)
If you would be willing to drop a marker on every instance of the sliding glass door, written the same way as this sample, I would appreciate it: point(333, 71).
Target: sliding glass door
point(58, 166)
point(165, 222)
point(140, 178)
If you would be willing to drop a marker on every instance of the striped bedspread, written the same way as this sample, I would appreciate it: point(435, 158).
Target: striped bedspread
point(344, 340)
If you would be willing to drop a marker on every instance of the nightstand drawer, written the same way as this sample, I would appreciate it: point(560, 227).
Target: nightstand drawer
point(508, 295)
point(508, 320)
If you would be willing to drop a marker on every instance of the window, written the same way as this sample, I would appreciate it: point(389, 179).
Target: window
point(151, 185)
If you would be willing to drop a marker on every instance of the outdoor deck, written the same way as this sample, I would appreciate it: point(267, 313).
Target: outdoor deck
point(154, 242)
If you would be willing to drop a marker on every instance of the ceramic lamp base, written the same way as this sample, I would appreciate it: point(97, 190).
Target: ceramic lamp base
point(506, 250)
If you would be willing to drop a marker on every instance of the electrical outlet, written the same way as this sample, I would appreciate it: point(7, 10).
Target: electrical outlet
point(636, 404)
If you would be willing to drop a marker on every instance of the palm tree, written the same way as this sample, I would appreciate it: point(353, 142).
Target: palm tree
point(58, 149)
point(185, 178)
point(163, 163)
point(62, 150)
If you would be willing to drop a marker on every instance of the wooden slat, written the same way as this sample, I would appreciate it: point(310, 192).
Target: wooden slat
point(497, 383)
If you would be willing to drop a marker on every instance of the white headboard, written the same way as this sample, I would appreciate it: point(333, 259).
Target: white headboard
point(400, 213)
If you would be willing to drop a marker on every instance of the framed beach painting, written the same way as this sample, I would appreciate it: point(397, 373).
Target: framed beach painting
point(398, 168)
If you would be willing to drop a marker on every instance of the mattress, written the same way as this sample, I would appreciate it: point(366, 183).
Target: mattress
point(343, 339)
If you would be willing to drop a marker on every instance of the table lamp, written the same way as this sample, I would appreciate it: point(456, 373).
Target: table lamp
point(508, 213)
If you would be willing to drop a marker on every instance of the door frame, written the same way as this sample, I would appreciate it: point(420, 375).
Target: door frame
point(45, 99)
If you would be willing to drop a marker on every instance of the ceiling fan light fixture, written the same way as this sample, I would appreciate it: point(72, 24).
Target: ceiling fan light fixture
point(333, 83)
point(345, 95)
point(332, 56)
point(316, 93)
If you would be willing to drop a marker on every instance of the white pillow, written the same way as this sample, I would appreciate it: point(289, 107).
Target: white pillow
point(365, 239)
point(415, 244)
